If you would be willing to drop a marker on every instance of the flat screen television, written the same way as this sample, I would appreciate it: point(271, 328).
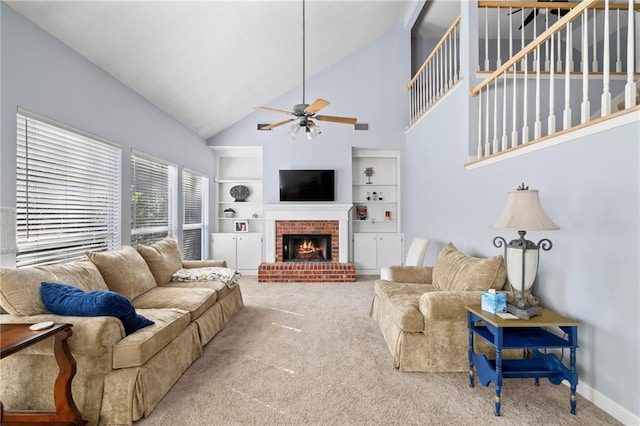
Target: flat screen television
point(307, 185)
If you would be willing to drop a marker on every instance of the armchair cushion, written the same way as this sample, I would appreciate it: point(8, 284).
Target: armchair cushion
point(455, 270)
point(64, 299)
point(124, 271)
point(163, 258)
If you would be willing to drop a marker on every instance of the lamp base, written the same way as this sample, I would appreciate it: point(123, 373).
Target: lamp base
point(524, 313)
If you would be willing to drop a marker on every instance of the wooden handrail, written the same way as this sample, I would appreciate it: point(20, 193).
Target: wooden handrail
point(551, 5)
point(569, 17)
point(433, 52)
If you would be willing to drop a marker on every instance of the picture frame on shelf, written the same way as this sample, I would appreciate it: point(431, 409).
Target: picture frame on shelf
point(241, 226)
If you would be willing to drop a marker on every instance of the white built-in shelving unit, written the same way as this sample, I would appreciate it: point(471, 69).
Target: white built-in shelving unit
point(377, 239)
point(239, 165)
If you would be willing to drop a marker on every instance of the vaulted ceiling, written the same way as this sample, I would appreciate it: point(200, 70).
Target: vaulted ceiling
point(209, 63)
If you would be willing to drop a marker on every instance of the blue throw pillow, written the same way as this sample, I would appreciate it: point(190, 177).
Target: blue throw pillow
point(64, 299)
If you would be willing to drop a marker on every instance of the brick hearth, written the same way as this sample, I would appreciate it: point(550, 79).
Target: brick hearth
point(314, 272)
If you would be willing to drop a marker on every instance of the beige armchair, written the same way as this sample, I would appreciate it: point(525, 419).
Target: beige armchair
point(421, 312)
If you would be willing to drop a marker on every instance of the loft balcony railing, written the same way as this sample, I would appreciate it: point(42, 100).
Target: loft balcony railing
point(438, 74)
point(526, 20)
point(522, 91)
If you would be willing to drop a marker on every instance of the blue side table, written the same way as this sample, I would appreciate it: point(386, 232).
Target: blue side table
point(522, 334)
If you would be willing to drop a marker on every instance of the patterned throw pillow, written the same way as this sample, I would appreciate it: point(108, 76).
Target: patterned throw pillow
point(227, 276)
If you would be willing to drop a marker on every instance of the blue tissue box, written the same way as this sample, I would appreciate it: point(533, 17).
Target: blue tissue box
point(494, 302)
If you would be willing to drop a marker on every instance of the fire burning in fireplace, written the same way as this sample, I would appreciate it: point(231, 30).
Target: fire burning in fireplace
point(306, 248)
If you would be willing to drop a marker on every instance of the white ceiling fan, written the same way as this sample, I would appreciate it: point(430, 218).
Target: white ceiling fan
point(304, 113)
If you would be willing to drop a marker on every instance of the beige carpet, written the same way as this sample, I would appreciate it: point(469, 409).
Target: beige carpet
point(309, 354)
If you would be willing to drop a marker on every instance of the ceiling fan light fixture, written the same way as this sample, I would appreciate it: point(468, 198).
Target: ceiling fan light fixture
point(294, 129)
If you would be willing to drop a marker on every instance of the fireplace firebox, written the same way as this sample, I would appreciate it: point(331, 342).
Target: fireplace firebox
point(306, 248)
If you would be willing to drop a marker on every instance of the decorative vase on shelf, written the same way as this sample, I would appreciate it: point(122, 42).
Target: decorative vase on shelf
point(368, 172)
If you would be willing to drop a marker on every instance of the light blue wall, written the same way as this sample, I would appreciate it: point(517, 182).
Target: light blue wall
point(44, 76)
point(368, 85)
point(590, 187)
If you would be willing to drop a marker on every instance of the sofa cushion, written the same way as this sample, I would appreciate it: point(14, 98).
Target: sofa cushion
point(64, 299)
point(124, 271)
point(163, 258)
point(455, 270)
point(136, 349)
point(196, 300)
point(402, 302)
point(20, 288)
point(222, 290)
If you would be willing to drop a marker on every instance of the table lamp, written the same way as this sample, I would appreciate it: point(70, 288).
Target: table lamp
point(523, 213)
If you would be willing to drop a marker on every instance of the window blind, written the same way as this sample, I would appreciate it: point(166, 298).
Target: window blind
point(67, 192)
point(153, 199)
point(195, 188)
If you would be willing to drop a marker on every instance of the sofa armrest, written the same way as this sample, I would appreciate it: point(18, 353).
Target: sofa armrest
point(447, 305)
point(190, 264)
point(91, 335)
point(409, 274)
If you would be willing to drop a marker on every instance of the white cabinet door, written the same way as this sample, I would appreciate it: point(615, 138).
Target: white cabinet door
point(389, 250)
point(365, 251)
point(249, 251)
point(223, 247)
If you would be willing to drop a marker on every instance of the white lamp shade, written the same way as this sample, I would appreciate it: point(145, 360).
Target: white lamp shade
point(524, 213)
point(514, 262)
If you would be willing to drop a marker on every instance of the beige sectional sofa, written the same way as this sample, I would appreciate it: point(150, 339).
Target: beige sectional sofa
point(120, 378)
point(421, 310)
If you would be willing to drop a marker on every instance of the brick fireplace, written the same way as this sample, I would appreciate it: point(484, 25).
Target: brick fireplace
point(293, 219)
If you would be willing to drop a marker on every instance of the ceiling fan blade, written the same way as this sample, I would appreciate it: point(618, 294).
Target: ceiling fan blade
point(316, 106)
point(281, 111)
point(334, 119)
point(279, 123)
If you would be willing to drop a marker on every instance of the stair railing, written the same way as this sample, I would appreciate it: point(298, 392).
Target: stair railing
point(437, 75)
point(495, 115)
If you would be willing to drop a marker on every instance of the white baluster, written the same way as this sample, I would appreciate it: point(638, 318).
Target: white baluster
point(449, 63)
point(514, 112)
point(551, 121)
point(537, 126)
point(585, 106)
point(486, 39)
point(566, 115)
point(535, 34)
point(487, 147)
point(582, 35)
point(511, 32)
point(498, 40)
point(495, 116)
point(455, 54)
point(630, 87)
point(594, 65)
point(525, 127)
point(479, 153)
point(618, 61)
point(505, 139)
point(421, 95)
point(569, 60)
point(546, 43)
point(605, 103)
point(522, 35)
point(559, 64)
point(437, 70)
